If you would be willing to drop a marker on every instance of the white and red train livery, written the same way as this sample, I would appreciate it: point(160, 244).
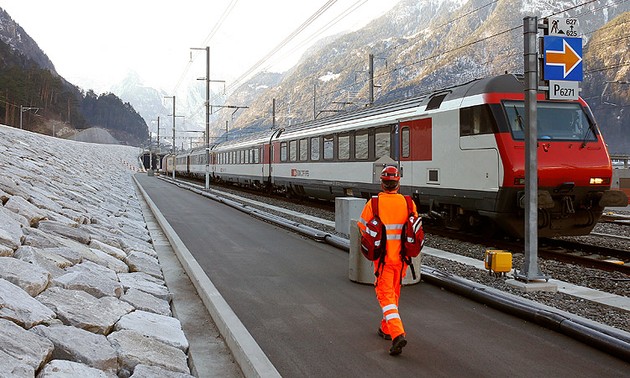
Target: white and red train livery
point(461, 151)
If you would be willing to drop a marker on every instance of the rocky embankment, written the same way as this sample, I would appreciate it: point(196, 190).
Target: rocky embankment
point(81, 289)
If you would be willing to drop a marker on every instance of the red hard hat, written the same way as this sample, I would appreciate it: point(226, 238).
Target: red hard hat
point(390, 173)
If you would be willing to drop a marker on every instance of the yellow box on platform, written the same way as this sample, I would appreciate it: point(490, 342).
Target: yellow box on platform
point(498, 261)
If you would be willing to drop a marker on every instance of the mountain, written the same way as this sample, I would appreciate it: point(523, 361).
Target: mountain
point(12, 35)
point(608, 84)
point(35, 97)
point(421, 45)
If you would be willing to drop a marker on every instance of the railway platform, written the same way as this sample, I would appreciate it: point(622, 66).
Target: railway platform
point(285, 307)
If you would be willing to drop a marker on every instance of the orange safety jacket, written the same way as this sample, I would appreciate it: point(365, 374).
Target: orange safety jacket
point(392, 210)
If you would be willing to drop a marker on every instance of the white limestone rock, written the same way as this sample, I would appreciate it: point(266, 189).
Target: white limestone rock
point(134, 349)
point(76, 344)
point(108, 261)
point(50, 262)
point(10, 230)
point(141, 262)
point(146, 283)
point(82, 310)
point(144, 371)
point(91, 278)
point(70, 369)
point(21, 308)
point(146, 302)
point(31, 278)
point(109, 249)
point(26, 209)
point(68, 231)
point(10, 186)
point(164, 328)
point(14, 368)
point(23, 345)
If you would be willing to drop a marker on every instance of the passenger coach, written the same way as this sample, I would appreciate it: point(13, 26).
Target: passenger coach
point(460, 150)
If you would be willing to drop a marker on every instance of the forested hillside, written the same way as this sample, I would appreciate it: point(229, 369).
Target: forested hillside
point(51, 105)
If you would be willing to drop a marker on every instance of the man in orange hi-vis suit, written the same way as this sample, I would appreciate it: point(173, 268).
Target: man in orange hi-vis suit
point(393, 212)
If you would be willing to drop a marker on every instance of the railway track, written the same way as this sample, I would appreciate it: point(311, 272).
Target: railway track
point(569, 251)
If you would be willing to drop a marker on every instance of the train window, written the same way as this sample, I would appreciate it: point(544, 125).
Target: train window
point(382, 143)
point(556, 121)
point(329, 142)
point(436, 101)
point(256, 152)
point(434, 176)
point(476, 120)
point(315, 148)
point(293, 150)
point(283, 151)
point(404, 141)
point(361, 146)
point(303, 149)
point(343, 147)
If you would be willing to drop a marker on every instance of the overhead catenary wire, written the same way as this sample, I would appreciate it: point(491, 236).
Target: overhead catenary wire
point(444, 53)
point(208, 38)
point(284, 42)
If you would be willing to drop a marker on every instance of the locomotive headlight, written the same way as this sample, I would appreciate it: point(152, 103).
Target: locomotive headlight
point(519, 180)
point(600, 181)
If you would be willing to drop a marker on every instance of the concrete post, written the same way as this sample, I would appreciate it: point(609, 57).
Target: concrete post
point(347, 208)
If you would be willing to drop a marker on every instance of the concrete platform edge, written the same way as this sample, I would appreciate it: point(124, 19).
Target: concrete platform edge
point(248, 354)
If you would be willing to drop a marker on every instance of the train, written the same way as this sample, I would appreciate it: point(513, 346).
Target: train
point(460, 150)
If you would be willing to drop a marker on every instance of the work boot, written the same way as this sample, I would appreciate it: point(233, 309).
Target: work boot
point(397, 345)
point(383, 334)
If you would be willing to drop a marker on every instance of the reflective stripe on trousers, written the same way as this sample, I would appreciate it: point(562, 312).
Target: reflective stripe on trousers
point(387, 294)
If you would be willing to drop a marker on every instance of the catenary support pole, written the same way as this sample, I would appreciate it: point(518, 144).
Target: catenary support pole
point(530, 271)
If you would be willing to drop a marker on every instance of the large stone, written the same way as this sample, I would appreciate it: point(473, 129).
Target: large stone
point(10, 230)
point(141, 262)
point(64, 230)
point(21, 308)
point(44, 200)
point(14, 368)
point(26, 209)
point(69, 369)
point(134, 349)
point(50, 262)
point(109, 249)
point(29, 277)
point(78, 345)
point(146, 283)
point(91, 278)
point(146, 302)
point(82, 310)
point(14, 188)
point(164, 328)
point(106, 260)
point(23, 345)
point(144, 371)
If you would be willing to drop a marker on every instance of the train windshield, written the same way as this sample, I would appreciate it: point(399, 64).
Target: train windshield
point(556, 121)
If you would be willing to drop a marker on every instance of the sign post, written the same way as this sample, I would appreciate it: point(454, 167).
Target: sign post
point(563, 65)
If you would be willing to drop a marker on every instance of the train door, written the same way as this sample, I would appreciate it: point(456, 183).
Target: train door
point(416, 145)
point(271, 155)
point(480, 162)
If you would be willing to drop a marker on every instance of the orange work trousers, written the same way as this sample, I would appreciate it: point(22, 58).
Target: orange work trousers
point(387, 289)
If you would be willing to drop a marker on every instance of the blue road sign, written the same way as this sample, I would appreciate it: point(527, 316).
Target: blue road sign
point(563, 58)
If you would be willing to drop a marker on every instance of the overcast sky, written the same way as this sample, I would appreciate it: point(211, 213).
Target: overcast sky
point(94, 44)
